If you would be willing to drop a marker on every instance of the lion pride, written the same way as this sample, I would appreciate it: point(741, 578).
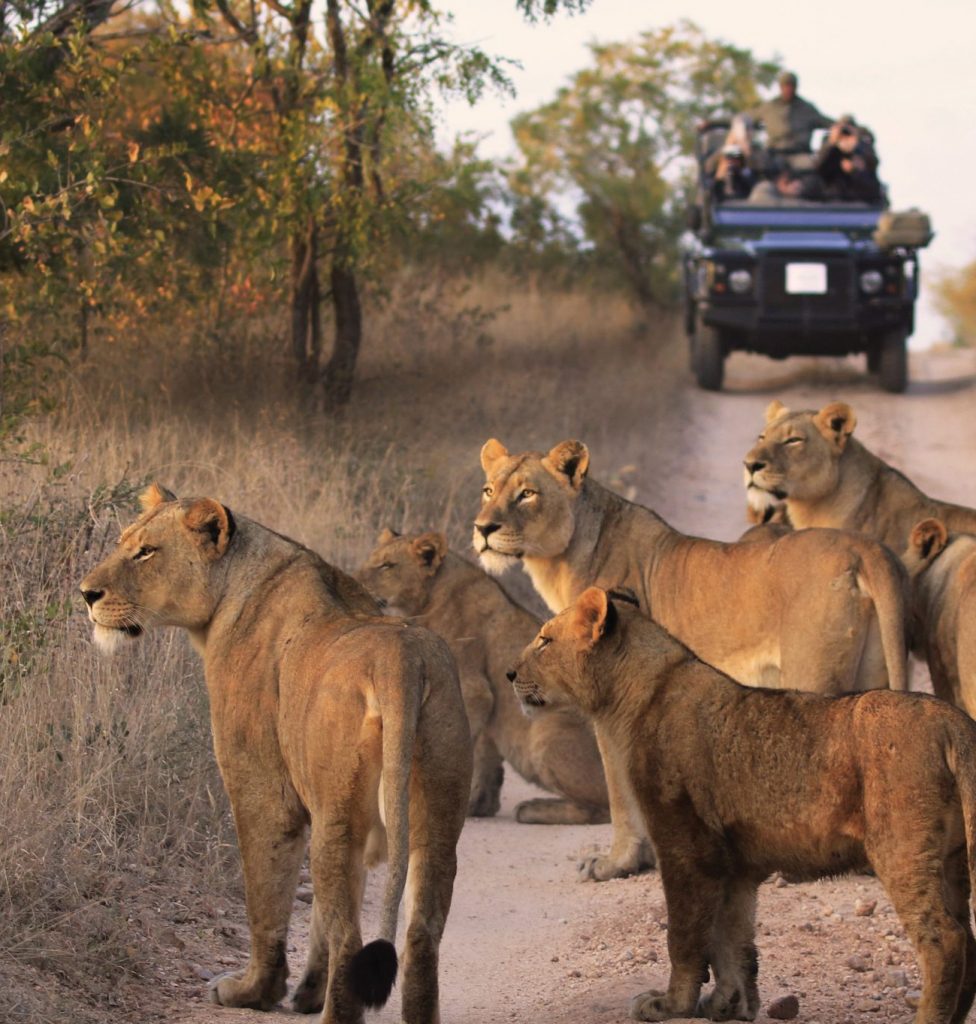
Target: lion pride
point(735, 782)
point(315, 701)
point(823, 609)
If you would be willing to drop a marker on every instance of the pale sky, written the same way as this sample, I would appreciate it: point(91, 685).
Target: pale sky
point(906, 70)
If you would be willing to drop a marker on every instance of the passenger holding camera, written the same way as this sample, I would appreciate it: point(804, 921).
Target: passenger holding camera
point(848, 165)
point(734, 179)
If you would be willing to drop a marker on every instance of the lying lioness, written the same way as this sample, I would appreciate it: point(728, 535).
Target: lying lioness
point(943, 571)
point(315, 701)
point(418, 577)
point(735, 783)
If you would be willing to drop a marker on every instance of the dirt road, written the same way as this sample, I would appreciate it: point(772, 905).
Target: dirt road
point(525, 940)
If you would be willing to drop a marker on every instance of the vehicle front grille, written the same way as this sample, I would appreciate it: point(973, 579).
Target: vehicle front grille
point(839, 299)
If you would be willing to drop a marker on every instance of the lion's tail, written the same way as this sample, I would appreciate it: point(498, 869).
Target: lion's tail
point(373, 970)
point(883, 578)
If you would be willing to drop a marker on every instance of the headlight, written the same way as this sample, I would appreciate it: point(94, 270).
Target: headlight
point(740, 281)
point(871, 282)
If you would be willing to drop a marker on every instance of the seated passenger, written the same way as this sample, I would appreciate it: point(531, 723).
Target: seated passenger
point(733, 178)
point(787, 185)
point(848, 165)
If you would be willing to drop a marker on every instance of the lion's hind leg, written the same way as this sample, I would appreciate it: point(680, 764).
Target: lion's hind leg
point(957, 889)
point(309, 995)
point(917, 886)
point(271, 832)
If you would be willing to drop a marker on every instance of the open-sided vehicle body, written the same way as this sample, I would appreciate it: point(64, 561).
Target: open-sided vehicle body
point(794, 277)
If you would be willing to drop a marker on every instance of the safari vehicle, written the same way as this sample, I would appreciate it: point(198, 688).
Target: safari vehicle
point(795, 277)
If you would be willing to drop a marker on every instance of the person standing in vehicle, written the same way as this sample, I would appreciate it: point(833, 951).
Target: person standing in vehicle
point(789, 119)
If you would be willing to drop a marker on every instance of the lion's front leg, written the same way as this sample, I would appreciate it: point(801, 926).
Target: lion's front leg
point(734, 959)
point(271, 835)
point(631, 851)
point(694, 900)
point(486, 782)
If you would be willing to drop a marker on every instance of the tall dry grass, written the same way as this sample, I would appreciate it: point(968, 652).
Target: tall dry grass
point(108, 794)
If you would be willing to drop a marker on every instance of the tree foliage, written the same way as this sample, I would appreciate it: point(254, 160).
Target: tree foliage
point(613, 146)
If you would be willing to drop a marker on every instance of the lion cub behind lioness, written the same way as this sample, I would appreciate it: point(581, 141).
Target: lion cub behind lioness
point(736, 782)
point(418, 577)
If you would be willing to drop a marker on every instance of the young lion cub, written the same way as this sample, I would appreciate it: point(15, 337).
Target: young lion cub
point(736, 782)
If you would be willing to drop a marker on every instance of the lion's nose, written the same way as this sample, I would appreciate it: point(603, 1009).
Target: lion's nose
point(91, 596)
point(754, 467)
point(487, 529)
point(512, 675)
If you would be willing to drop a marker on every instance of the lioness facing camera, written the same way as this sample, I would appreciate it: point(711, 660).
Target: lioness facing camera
point(315, 701)
point(735, 783)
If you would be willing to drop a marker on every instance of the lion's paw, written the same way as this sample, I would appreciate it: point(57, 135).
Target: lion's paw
point(601, 867)
point(309, 995)
point(651, 1005)
point(484, 803)
point(718, 1007)
point(232, 989)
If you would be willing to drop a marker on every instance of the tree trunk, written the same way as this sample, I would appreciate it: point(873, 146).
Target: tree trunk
point(305, 321)
point(338, 374)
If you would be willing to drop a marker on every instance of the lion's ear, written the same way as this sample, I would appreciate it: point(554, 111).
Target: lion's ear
point(211, 525)
point(155, 494)
point(928, 539)
point(570, 459)
point(836, 422)
point(592, 616)
point(774, 410)
point(386, 535)
point(492, 452)
point(430, 549)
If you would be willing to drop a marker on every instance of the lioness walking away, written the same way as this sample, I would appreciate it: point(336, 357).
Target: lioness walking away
point(735, 783)
point(315, 701)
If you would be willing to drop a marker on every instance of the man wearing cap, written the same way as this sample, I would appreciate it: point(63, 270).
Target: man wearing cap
point(789, 119)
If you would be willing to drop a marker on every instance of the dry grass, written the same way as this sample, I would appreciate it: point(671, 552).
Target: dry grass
point(109, 798)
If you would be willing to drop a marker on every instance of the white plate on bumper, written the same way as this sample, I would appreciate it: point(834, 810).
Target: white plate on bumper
point(806, 278)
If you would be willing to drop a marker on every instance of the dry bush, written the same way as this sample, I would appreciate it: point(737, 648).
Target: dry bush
point(108, 790)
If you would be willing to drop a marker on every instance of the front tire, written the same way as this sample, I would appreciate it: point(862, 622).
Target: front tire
point(709, 355)
point(893, 362)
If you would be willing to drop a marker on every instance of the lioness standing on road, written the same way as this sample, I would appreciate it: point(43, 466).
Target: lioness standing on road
point(315, 701)
point(735, 783)
point(820, 609)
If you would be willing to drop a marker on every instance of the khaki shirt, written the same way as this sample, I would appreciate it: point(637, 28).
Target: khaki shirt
point(789, 125)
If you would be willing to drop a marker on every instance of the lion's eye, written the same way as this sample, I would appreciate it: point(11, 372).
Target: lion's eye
point(487, 490)
point(143, 553)
point(525, 494)
point(543, 642)
point(387, 565)
point(761, 437)
point(793, 440)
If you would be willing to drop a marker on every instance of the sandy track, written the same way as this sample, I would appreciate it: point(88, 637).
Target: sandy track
point(525, 940)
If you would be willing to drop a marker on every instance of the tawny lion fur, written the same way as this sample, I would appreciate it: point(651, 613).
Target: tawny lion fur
point(416, 576)
point(942, 567)
point(315, 700)
point(815, 609)
point(809, 463)
point(735, 783)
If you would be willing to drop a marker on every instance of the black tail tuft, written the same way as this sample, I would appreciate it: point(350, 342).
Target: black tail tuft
point(372, 972)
